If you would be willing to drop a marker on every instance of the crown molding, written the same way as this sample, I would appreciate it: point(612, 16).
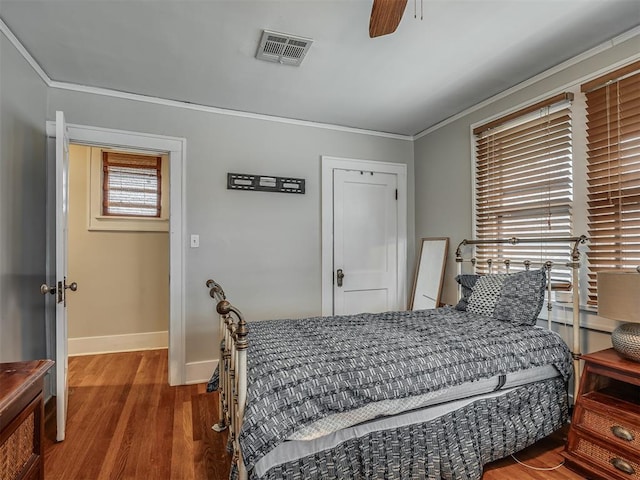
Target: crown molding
point(217, 110)
point(629, 34)
point(105, 92)
point(4, 28)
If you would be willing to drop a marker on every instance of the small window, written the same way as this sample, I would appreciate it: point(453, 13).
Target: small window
point(131, 185)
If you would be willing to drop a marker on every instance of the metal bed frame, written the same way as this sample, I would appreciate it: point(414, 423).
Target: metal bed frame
point(233, 331)
point(574, 265)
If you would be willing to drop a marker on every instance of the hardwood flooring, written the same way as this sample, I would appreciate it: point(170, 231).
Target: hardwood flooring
point(126, 422)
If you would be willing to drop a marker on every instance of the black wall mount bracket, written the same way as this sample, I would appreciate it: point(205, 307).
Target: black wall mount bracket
point(264, 183)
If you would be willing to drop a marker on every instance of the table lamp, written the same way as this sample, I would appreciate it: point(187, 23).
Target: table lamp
point(619, 299)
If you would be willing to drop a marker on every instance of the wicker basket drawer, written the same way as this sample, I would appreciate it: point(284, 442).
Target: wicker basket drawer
point(16, 453)
point(621, 466)
point(619, 431)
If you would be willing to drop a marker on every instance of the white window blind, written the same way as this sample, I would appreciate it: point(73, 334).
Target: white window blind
point(524, 186)
point(613, 172)
point(131, 185)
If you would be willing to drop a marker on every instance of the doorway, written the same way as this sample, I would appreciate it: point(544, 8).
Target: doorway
point(120, 263)
point(175, 149)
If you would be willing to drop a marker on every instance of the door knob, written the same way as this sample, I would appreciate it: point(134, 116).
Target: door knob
point(73, 286)
point(44, 289)
point(339, 276)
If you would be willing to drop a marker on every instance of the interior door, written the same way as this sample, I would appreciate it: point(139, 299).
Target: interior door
point(61, 287)
point(365, 242)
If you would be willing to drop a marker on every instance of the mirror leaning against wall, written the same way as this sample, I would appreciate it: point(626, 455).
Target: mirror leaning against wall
point(427, 285)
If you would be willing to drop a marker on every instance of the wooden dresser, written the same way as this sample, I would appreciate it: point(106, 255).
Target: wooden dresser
point(604, 437)
point(22, 419)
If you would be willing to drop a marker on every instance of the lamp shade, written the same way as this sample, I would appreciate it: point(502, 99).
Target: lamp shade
point(619, 295)
point(619, 299)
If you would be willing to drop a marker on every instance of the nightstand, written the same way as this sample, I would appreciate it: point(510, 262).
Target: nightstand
point(604, 437)
point(22, 419)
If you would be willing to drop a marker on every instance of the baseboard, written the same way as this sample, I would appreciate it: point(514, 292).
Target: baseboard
point(118, 343)
point(199, 372)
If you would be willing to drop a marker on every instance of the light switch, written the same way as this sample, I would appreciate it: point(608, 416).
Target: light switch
point(195, 241)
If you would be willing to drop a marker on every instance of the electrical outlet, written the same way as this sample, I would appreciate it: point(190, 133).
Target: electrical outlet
point(195, 241)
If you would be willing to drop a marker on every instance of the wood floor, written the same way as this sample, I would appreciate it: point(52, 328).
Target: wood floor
point(125, 422)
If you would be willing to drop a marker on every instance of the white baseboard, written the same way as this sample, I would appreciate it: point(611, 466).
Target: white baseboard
point(199, 372)
point(118, 343)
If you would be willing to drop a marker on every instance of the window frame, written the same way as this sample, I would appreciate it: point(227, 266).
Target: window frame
point(99, 222)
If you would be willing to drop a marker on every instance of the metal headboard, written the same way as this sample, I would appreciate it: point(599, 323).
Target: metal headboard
point(573, 264)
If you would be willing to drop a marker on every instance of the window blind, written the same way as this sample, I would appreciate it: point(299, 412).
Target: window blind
point(613, 172)
point(524, 186)
point(131, 185)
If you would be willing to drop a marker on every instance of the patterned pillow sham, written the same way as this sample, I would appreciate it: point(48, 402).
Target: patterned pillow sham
point(467, 282)
point(515, 298)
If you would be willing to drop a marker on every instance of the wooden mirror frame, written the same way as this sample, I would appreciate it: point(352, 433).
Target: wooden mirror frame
point(436, 270)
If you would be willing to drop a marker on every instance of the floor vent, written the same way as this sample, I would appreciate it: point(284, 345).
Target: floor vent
point(283, 48)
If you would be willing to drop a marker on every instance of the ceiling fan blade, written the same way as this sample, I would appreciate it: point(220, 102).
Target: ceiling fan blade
point(385, 16)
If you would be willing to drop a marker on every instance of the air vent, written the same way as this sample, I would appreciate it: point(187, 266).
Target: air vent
point(283, 48)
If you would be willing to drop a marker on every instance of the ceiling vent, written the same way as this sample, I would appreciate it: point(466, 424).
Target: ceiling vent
point(283, 48)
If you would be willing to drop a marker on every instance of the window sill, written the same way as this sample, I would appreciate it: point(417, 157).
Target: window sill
point(563, 313)
point(128, 224)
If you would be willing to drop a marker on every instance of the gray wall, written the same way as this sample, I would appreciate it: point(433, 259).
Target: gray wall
point(443, 163)
point(23, 102)
point(264, 248)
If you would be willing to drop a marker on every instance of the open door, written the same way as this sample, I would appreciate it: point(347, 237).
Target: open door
point(59, 289)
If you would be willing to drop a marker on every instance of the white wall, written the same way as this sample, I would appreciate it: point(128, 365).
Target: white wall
point(264, 248)
point(443, 161)
point(23, 100)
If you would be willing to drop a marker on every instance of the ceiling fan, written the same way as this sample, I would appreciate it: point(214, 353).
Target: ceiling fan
point(385, 16)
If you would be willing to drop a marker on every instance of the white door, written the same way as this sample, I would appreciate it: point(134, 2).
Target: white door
point(59, 289)
point(365, 242)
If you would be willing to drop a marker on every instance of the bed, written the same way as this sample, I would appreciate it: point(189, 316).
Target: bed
point(412, 394)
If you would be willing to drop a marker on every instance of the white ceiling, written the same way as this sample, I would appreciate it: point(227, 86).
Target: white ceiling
point(203, 52)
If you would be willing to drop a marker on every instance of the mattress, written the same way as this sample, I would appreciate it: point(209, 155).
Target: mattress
point(333, 423)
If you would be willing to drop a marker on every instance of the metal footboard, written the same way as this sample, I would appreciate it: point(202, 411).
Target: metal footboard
point(232, 368)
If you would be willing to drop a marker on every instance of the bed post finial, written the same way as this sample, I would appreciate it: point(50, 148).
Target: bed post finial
point(216, 289)
point(223, 307)
point(575, 253)
point(459, 250)
point(241, 331)
point(241, 334)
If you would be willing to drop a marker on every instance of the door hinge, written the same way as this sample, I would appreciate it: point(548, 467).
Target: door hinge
point(396, 193)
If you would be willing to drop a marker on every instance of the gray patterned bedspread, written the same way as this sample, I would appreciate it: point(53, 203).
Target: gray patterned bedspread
point(300, 370)
point(453, 446)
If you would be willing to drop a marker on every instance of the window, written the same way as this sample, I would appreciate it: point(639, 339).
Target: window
point(613, 172)
point(115, 203)
point(131, 185)
point(524, 185)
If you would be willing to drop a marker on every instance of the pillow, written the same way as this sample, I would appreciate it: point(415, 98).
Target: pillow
point(522, 297)
point(515, 298)
point(484, 296)
point(466, 282)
